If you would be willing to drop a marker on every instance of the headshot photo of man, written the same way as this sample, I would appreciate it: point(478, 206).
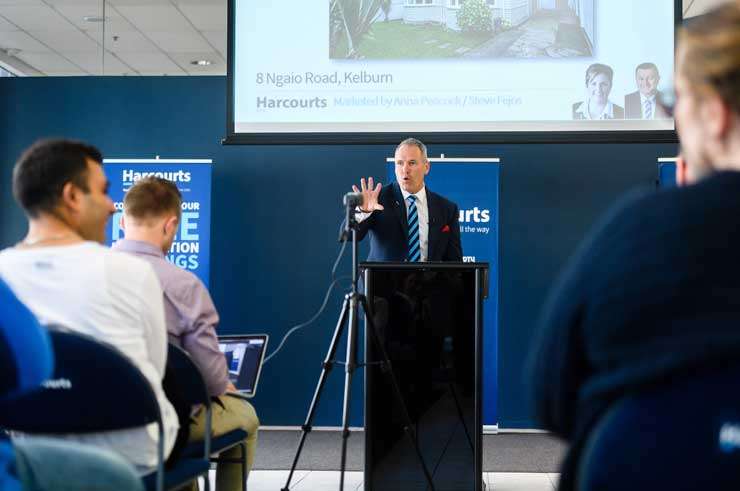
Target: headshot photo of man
point(647, 101)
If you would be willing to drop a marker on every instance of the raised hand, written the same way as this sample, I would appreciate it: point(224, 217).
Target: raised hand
point(370, 194)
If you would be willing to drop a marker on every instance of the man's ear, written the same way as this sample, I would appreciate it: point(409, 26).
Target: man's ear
point(171, 225)
point(71, 195)
point(429, 167)
point(717, 117)
point(122, 222)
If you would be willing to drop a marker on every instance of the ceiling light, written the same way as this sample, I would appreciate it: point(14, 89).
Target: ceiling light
point(201, 62)
point(94, 18)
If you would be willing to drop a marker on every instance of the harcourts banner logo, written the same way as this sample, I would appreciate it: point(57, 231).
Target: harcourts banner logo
point(475, 220)
point(475, 215)
point(130, 176)
point(191, 247)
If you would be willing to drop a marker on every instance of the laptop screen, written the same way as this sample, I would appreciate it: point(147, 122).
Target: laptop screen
point(244, 355)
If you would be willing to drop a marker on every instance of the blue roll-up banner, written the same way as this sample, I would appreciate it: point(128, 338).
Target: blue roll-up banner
point(473, 184)
point(666, 172)
point(191, 249)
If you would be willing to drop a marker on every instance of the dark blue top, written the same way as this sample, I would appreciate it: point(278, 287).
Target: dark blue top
point(25, 361)
point(653, 291)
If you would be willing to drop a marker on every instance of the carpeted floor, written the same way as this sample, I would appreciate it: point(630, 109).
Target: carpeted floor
point(501, 453)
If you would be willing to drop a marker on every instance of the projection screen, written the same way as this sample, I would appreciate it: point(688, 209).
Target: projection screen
point(364, 70)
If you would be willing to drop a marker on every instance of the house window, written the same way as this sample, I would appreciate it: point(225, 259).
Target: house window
point(419, 2)
point(458, 3)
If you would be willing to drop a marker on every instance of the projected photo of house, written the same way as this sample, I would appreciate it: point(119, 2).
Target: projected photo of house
point(410, 29)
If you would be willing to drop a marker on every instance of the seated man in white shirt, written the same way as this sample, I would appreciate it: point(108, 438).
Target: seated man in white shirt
point(67, 278)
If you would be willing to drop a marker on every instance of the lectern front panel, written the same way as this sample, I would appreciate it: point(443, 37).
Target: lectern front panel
point(426, 323)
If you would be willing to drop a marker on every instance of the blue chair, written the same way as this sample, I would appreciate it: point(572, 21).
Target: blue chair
point(71, 402)
point(26, 358)
point(195, 392)
point(682, 435)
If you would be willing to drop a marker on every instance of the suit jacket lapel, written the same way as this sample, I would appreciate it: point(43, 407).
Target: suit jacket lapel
point(435, 215)
point(399, 207)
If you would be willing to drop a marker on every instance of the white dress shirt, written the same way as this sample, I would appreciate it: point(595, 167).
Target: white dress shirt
point(422, 209)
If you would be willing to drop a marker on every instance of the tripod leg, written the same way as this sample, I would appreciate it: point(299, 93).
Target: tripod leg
point(326, 368)
point(348, 376)
point(409, 429)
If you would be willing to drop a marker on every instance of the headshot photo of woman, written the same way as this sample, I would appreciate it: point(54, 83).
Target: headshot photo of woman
point(597, 104)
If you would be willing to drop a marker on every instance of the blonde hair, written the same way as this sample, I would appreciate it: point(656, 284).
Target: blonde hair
point(710, 45)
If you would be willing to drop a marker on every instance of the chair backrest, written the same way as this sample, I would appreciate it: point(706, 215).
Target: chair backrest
point(189, 379)
point(682, 435)
point(184, 385)
point(94, 388)
point(25, 351)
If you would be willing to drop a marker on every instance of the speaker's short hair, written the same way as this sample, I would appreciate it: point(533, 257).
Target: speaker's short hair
point(413, 142)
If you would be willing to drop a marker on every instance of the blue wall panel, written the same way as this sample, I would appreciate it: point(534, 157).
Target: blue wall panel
point(276, 211)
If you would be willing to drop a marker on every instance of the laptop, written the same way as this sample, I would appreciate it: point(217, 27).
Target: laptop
point(244, 356)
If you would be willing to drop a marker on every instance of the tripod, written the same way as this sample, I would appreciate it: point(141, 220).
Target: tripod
point(349, 316)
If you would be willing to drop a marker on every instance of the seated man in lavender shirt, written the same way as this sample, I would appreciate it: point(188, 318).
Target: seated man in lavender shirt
point(151, 215)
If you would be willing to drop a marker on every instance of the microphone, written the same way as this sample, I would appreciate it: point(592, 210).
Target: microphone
point(352, 199)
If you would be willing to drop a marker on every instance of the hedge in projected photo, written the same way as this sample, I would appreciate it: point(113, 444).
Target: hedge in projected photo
point(413, 29)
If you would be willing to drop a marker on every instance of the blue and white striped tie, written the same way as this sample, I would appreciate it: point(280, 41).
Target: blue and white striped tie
point(648, 109)
point(414, 247)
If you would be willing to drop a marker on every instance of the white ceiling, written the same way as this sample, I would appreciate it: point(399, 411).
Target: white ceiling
point(142, 37)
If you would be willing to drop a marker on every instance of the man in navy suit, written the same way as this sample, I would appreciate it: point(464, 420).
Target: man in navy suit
point(405, 220)
point(647, 101)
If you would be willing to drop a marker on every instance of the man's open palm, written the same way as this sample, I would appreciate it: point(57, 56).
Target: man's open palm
point(370, 194)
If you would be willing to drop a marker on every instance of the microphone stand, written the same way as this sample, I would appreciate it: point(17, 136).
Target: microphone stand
point(349, 316)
